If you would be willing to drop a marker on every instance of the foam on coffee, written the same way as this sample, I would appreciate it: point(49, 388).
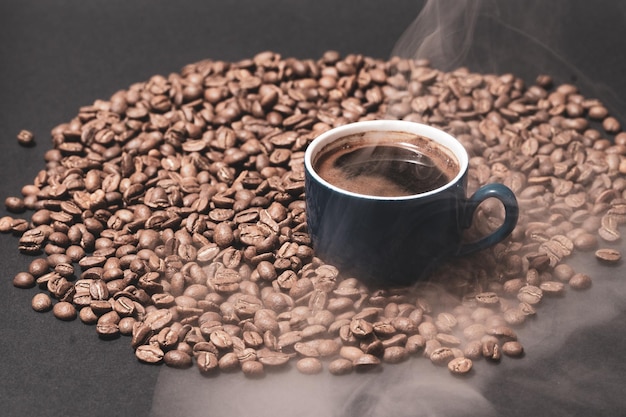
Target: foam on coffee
point(386, 164)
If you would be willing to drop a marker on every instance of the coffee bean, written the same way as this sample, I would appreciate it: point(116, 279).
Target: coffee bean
point(530, 294)
point(87, 315)
point(26, 138)
point(253, 369)
point(395, 354)
point(309, 366)
point(608, 255)
point(415, 343)
point(366, 362)
point(487, 298)
point(149, 354)
point(512, 348)
point(580, 281)
point(207, 362)
point(64, 310)
point(340, 366)
point(327, 347)
point(177, 359)
point(272, 358)
point(491, 350)
point(460, 366)
point(41, 302)
point(473, 350)
point(552, 288)
point(15, 204)
point(586, 242)
point(229, 362)
point(24, 280)
point(563, 272)
point(442, 356)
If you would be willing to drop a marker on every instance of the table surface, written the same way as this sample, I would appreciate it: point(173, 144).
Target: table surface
point(58, 56)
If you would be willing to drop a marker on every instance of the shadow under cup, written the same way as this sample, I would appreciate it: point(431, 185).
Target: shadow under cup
point(376, 227)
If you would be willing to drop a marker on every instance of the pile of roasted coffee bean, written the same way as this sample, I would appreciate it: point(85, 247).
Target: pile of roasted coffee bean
point(173, 214)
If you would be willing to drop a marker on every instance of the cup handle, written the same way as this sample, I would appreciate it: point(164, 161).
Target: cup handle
point(506, 196)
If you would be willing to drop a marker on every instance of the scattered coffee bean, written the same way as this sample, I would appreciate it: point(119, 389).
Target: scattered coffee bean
point(174, 213)
point(552, 288)
point(149, 354)
point(340, 366)
point(15, 204)
point(580, 281)
point(41, 302)
point(395, 354)
point(253, 369)
point(442, 356)
point(513, 348)
point(530, 294)
point(177, 359)
point(87, 315)
point(608, 255)
point(64, 310)
point(25, 138)
point(309, 366)
point(460, 366)
point(24, 280)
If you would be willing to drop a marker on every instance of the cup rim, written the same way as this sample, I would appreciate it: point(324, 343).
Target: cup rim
point(430, 132)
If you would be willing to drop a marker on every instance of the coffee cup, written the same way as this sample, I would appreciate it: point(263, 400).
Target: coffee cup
point(387, 200)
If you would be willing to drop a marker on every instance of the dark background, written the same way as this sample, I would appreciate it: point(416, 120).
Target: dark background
point(56, 56)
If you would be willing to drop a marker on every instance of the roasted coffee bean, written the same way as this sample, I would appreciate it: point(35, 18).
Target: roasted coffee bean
point(487, 299)
point(608, 255)
point(149, 354)
point(491, 349)
point(366, 362)
point(395, 354)
point(563, 272)
point(340, 366)
point(552, 288)
point(580, 281)
point(585, 241)
point(125, 325)
point(41, 302)
point(64, 310)
point(514, 317)
point(24, 280)
point(177, 359)
point(530, 294)
point(415, 343)
point(272, 358)
point(309, 366)
point(15, 204)
point(253, 369)
point(229, 362)
point(327, 347)
point(512, 348)
point(460, 366)
point(207, 362)
point(473, 349)
point(25, 138)
point(88, 316)
point(442, 356)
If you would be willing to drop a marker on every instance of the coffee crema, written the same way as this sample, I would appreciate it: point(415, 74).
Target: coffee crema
point(386, 164)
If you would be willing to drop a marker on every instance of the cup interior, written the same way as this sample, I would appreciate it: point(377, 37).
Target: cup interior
point(335, 138)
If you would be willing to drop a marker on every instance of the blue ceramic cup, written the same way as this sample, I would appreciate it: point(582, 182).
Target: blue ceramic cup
point(396, 240)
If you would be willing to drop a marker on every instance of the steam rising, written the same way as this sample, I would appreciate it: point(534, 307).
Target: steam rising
point(442, 33)
point(554, 373)
point(541, 34)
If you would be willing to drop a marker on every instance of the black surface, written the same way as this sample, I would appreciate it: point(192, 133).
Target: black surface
point(56, 56)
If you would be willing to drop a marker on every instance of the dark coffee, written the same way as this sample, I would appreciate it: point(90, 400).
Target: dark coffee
point(398, 165)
